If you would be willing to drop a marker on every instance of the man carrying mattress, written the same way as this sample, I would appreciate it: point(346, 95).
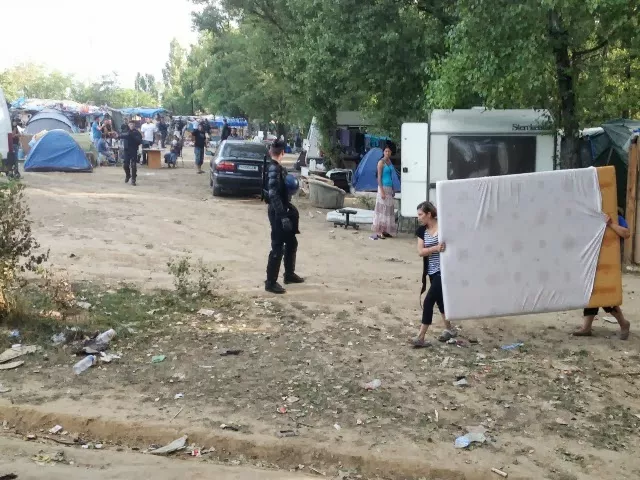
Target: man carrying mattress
point(622, 230)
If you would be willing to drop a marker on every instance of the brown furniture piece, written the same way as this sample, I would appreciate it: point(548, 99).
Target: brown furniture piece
point(154, 157)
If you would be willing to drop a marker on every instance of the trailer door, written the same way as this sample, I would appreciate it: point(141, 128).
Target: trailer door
point(414, 159)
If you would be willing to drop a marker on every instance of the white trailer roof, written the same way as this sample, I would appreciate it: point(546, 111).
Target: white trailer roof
point(483, 121)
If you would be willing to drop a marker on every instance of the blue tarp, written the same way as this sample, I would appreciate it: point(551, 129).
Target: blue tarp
point(364, 178)
point(57, 151)
point(143, 112)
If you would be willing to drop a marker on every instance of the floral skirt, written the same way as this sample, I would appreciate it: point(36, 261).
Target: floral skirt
point(384, 215)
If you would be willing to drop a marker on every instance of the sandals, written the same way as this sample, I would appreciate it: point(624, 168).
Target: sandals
point(417, 343)
point(582, 333)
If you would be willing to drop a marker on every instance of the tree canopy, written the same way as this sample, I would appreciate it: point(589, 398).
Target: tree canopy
point(394, 60)
point(35, 81)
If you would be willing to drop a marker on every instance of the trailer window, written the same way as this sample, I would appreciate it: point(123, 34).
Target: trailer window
point(471, 157)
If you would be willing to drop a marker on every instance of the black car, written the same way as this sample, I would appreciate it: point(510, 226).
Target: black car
point(237, 166)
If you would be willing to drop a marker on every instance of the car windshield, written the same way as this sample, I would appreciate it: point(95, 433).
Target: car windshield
point(244, 150)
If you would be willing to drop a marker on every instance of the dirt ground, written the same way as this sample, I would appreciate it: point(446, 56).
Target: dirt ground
point(558, 408)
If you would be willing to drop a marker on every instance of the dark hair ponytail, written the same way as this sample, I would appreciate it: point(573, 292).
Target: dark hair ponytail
point(428, 207)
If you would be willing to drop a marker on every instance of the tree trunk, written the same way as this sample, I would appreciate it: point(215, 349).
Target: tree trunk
point(569, 145)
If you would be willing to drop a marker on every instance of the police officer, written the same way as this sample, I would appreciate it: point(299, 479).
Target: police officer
point(283, 217)
point(132, 141)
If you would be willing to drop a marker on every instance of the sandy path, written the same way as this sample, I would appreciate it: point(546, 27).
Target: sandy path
point(17, 457)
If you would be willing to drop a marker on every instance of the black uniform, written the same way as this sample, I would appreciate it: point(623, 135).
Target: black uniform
point(133, 140)
point(283, 217)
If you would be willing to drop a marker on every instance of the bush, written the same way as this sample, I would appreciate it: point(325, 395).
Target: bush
point(182, 270)
point(17, 245)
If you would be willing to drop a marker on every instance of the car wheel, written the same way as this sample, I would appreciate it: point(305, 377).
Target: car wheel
point(217, 191)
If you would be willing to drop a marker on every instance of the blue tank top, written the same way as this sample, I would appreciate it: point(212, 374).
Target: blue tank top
point(387, 178)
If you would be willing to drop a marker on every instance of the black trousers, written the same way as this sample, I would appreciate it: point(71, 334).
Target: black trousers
point(283, 244)
point(145, 145)
point(587, 312)
point(130, 164)
point(433, 297)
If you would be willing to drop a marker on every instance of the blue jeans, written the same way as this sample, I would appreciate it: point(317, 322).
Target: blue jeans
point(199, 153)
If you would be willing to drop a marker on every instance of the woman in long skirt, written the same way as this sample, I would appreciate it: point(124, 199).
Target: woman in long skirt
point(384, 216)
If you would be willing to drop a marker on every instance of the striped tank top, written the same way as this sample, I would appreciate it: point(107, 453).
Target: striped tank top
point(434, 258)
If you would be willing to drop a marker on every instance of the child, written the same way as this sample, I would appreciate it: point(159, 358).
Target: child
point(622, 230)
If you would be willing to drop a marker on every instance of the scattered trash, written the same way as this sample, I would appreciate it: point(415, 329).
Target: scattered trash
point(195, 452)
point(499, 472)
point(14, 334)
point(437, 415)
point(561, 421)
point(206, 312)
point(461, 383)
point(282, 410)
point(31, 436)
point(462, 442)
point(84, 305)
point(372, 385)
point(317, 472)
point(11, 365)
point(226, 353)
point(172, 447)
point(513, 346)
point(9, 476)
point(58, 338)
point(158, 358)
point(17, 351)
point(287, 433)
point(178, 396)
point(337, 427)
point(106, 337)
point(229, 427)
point(445, 362)
point(56, 429)
point(98, 446)
point(176, 415)
point(42, 459)
point(359, 422)
point(84, 364)
point(292, 399)
point(610, 320)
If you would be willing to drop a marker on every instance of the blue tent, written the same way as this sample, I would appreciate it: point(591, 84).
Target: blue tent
point(57, 151)
point(365, 179)
point(143, 112)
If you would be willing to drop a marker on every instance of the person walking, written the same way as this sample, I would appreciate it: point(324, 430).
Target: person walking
point(430, 248)
point(199, 143)
point(283, 218)
point(163, 128)
point(384, 216)
point(589, 314)
point(226, 131)
point(132, 141)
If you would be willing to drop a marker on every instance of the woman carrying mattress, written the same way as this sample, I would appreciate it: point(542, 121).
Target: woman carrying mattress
point(430, 248)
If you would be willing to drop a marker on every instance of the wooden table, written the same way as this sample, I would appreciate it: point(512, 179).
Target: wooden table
point(154, 157)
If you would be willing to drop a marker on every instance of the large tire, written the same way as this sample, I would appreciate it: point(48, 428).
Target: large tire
point(217, 191)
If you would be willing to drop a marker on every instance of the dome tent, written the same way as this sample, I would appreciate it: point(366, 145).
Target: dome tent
point(57, 151)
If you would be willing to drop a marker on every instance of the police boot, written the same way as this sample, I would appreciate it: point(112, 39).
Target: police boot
point(290, 275)
point(273, 270)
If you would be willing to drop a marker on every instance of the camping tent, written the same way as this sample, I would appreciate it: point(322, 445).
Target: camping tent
point(57, 151)
point(48, 120)
point(365, 177)
point(609, 145)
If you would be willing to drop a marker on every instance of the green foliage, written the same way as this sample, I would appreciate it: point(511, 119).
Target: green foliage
point(18, 247)
point(197, 280)
point(34, 81)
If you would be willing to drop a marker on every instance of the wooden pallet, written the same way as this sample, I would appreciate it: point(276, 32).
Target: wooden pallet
point(607, 286)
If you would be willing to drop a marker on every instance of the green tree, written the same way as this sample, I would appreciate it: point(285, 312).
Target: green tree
point(34, 81)
point(530, 54)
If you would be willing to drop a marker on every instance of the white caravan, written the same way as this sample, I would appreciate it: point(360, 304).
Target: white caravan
point(473, 143)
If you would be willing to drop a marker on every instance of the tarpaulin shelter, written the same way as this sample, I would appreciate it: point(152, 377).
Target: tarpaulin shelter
point(65, 106)
point(365, 177)
point(143, 112)
point(57, 151)
point(609, 145)
point(48, 120)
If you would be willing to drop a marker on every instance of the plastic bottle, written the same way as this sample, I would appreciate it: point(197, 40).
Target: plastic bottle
point(105, 337)
point(84, 364)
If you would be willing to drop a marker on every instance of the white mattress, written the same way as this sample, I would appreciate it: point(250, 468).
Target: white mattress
point(519, 244)
point(362, 217)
